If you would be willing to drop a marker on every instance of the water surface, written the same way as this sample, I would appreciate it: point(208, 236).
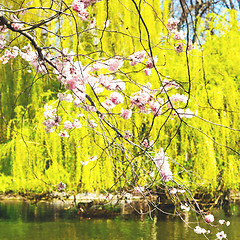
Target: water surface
point(24, 221)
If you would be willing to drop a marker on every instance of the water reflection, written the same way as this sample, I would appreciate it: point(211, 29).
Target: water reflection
point(23, 221)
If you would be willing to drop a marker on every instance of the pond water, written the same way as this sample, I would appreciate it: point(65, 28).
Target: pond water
point(23, 221)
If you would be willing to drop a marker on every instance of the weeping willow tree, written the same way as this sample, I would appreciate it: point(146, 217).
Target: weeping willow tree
point(207, 145)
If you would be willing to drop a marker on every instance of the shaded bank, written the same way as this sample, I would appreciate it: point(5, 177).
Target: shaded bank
point(92, 205)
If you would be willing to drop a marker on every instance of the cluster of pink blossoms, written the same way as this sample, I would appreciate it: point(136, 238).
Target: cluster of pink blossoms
point(8, 54)
point(126, 113)
point(143, 99)
point(179, 36)
point(16, 24)
point(148, 144)
point(172, 24)
point(76, 77)
point(139, 57)
point(200, 230)
point(27, 53)
point(114, 64)
point(80, 7)
point(162, 164)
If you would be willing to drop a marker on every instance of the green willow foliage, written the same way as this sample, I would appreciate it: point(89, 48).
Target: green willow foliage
point(32, 160)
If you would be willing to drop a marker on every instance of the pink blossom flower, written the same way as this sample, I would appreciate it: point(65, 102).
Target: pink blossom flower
point(60, 96)
point(16, 24)
point(49, 111)
point(49, 123)
point(161, 162)
point(78, 6)
point(89, 2)
point(221, 235)
point(98, 65)
point(68, 125)
point(148, 144)
point(93, 22)
point(200, 230)
point(137, 57)
point(179, 48)
point(98, 90)
point(12, 53)
point(28, 54)
point(49, 129)
point(116, 98)
point(63, 134)
point(222, 221)
point(68, 98)
point(84, 15)
point(90, 108)
point(76, 123)
point(108, 104)
point(2, 43)
point(127, 135)
point(106, 81)
point(141, 98)
point(92, 123)
point(150, 61)
point(126, 113)
point(179, 35)
point(190, 46)
point(77, 102)
point(80, 95)
point(4, 59)
point(3, 28)
point(177, 97)
point(168, 84)
point(92, 158)
point(39, 66)
point(172, 24)
point(155, 107)
point(114, 64)
point(119, 85)
point(148, 71)
point(209, 218)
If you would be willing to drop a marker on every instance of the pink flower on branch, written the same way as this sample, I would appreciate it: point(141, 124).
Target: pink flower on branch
point(137, 57)
point(209, 218)
point(116, 98)
point(16, 24)
point(179, 35)
point(172, 24)
point(114, 64)
point(126, 113)
point(161, 162)
point(179, 48)
point(63, 134)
